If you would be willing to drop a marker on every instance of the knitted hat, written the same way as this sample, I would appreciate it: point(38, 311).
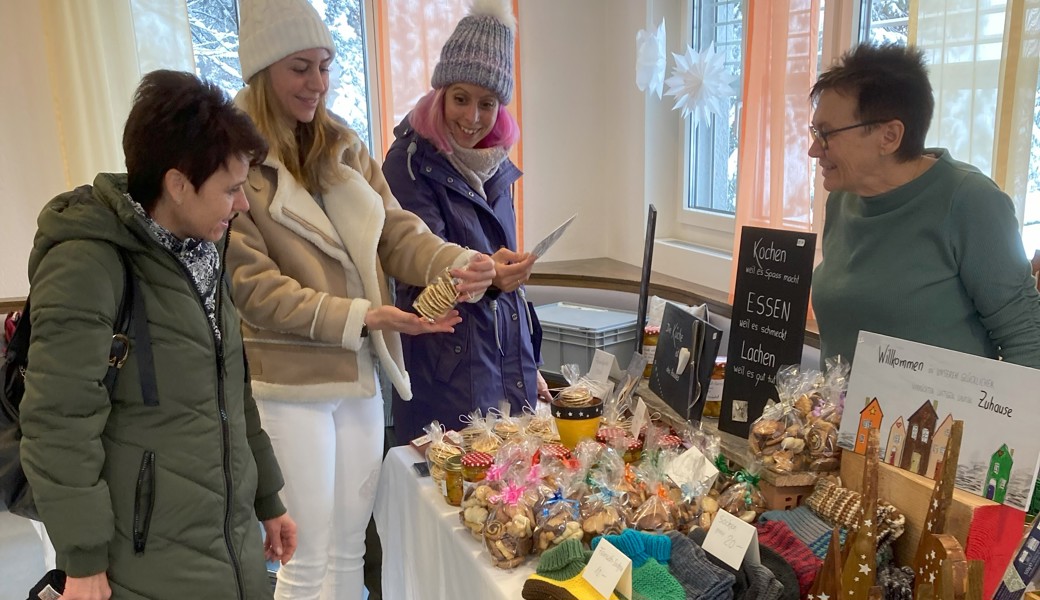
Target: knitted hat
point(480, 50)
point(270, 30)
point(779, 537)
point(697, 575)
point(563, 561)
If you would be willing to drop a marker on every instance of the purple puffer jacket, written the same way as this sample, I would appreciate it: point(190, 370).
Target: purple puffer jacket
point(494, 352)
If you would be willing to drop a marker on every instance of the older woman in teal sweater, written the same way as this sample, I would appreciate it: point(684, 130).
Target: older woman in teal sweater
point(916, 245)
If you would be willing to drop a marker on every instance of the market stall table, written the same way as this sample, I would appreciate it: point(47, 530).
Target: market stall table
point(427, 553)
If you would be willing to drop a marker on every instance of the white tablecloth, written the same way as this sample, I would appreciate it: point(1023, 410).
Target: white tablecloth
point(427, 553)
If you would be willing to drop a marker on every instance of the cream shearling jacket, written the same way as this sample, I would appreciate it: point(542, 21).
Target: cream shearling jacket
point(303, 279)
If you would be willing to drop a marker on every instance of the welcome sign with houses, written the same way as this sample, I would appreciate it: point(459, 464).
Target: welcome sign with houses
point(912, 393)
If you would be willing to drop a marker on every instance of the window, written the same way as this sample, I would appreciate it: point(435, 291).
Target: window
point(885, 21)
point(214, 37)
point(924, 436)
point(913, 433)
point(713, 146)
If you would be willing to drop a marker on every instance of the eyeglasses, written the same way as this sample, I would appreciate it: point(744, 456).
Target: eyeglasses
point(821, 136)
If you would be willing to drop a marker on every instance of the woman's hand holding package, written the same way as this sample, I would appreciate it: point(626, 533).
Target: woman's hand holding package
point(395, 319)
point(475, 277)
point(512, 269)
point(92, 587)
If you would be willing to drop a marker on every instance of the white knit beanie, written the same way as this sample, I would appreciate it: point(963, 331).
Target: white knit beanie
point(270, 30)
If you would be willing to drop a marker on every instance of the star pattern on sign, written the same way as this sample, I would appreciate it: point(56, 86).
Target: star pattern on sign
point(867, 522)
point(929, 525)
point(864, 568)
point(823, 597)
point(856, 578)
point(931, 578)
point(935, 503)
point(932, 555)
point(863, 557)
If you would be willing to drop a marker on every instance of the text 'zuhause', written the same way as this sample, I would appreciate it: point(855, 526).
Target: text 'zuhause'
point(887, 356)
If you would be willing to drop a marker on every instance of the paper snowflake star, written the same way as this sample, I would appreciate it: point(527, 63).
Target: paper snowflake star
point(701, 83)
point(651, 60)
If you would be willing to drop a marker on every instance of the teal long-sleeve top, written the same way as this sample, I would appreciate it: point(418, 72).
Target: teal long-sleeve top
point(938, 261)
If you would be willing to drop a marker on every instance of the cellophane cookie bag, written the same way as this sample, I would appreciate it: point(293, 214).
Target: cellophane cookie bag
point(604, 509)
point(438, 451)
point(742, 498)
point(558, 513)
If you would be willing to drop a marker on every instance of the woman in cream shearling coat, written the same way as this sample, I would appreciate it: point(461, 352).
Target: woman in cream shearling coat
point(310, 263)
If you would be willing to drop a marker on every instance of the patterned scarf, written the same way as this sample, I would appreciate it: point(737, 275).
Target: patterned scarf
point(199, 257)
point(477, 165)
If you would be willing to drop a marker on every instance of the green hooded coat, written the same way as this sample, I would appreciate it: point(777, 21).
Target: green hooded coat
point(164, 498)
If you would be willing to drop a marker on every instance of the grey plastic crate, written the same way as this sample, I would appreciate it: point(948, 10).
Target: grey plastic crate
point(571, 333)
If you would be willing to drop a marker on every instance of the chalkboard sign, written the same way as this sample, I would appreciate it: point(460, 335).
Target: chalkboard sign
point(684, 337)
point(770, 303)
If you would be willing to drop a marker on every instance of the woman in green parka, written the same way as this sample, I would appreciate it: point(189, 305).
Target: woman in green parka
point(200, 450)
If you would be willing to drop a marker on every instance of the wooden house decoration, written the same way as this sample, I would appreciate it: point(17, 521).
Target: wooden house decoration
point(995, 484)
point(918, 447)
point(940, 438)
point(896, 439)
point(869, 418)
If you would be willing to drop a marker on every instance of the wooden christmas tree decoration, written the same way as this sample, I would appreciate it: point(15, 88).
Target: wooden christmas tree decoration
point(944, 568)
point(935, 549)
point(827, 585)
point(858, 574)
point(976, 569)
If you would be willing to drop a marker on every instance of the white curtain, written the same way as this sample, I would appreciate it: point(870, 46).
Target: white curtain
point(982, 57)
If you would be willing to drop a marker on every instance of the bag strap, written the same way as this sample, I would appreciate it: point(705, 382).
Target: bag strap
point(132, 313)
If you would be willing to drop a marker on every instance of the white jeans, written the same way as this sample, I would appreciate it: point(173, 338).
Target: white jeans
point(330, 454)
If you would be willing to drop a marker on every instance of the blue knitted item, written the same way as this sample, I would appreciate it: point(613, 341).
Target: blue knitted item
point(819, 545)
point(640, 546)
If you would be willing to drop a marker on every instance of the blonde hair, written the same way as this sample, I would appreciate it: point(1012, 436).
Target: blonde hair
point(310, 151)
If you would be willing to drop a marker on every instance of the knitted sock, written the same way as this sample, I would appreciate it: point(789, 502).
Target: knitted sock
point(778, 536)
point(740, 577)
point(762, 584)
point(781, 572)
point(819, 547)
point(802, 521)
point(897, 583)
point(639, 546)
point(564, 561)
point(698, 576)
point(576, 588)
point(652, 580)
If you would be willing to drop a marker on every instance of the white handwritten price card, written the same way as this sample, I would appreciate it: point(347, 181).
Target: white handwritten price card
point(608, 570)
point(913, 393)
point(731, 540)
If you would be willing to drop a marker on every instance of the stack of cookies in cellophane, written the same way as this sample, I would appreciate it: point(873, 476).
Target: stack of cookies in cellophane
point(437, 298)
point(800, 432)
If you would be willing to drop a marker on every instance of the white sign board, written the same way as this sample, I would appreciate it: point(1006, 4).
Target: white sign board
point(921, 390)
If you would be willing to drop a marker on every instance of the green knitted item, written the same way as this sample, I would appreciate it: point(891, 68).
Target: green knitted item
point(652, 580)
point(564, 561)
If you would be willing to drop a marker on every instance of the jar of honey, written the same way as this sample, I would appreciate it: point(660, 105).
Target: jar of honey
point(713, 400)
point(651, 334)
point(475, 466)
point(453, 480)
